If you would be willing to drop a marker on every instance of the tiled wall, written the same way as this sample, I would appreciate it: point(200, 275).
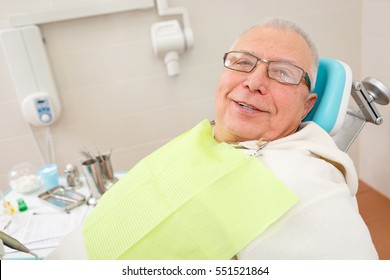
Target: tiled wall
point(374, 160)
point(116, 94)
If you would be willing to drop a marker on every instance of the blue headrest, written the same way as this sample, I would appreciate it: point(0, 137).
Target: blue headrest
point(333, 88)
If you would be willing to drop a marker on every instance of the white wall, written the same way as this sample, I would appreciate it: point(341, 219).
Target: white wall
point(374, 159)
point(115, 92)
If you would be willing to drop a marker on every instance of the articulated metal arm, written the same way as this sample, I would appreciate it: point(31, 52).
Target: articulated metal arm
point(365, 94)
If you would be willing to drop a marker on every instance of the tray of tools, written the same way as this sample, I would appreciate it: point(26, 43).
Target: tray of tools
point(62, 198)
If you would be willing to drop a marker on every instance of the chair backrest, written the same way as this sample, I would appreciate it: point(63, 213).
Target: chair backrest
point(333, 87)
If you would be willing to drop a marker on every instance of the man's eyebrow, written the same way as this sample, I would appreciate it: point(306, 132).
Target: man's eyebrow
point(281, 59)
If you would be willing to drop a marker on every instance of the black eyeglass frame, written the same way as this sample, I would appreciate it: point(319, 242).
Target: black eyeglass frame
point(305, 75)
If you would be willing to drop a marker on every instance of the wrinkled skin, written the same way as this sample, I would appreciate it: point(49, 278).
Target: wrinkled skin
point(276, 109)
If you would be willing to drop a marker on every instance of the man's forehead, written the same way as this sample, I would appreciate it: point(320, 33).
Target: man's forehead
point(275, 44)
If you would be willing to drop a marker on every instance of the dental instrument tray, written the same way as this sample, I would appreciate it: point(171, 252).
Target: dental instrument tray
point(62, 198)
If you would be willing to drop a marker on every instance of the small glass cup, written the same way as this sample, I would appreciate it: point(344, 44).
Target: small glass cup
point(49, 175)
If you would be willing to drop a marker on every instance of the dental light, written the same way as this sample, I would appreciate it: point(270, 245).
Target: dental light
point(168, 38)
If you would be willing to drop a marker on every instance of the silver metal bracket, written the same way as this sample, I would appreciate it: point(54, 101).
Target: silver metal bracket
point(365, 94)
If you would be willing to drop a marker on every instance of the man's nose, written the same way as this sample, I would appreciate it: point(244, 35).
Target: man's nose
point(258, 78)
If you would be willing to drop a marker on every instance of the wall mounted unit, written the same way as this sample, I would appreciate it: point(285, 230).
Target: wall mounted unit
point(26, 57)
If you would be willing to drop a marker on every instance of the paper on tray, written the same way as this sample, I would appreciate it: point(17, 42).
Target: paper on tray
point(42, 228)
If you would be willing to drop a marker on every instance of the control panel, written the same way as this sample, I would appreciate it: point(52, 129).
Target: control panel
point(38, 110)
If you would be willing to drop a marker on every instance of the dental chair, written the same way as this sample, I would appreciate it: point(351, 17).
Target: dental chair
point(333, 110)
point(334, 88)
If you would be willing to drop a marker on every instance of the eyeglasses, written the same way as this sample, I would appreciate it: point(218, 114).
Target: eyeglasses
point(281, 71)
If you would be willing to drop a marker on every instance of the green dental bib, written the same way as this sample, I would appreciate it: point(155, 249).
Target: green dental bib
point(194, 198)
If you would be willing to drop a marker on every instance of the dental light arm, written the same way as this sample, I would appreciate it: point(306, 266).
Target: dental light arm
point(163, 10)
point(168, 38)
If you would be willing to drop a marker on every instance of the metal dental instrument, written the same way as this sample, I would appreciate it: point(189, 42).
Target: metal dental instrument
point(7, 225)
point(15, 244)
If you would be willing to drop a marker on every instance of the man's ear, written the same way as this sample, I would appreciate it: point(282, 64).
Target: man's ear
point(309, 104)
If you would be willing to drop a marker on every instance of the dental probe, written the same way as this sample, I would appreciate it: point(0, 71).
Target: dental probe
point(15, 244)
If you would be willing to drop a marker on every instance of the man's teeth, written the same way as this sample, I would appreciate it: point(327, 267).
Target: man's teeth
point(246, 106)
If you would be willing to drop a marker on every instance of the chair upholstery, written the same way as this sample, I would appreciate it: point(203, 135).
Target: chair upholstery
point(333, 87)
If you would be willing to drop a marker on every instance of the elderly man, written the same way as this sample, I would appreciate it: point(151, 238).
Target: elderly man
point(271, 95)
point(257, 184)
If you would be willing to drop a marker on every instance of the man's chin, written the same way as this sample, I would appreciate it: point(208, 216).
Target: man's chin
point(244, 133)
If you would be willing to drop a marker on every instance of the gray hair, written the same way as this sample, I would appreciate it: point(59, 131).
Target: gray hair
point(286, 25)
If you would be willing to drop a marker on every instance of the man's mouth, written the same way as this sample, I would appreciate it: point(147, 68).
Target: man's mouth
point(246, 106)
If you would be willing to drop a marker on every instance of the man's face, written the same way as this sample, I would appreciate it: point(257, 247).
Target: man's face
point(275, 109)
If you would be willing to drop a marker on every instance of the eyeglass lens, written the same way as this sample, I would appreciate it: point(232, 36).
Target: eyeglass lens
point(280, 71)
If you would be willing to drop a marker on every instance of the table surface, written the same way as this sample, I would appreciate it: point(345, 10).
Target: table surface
point(42, 226)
